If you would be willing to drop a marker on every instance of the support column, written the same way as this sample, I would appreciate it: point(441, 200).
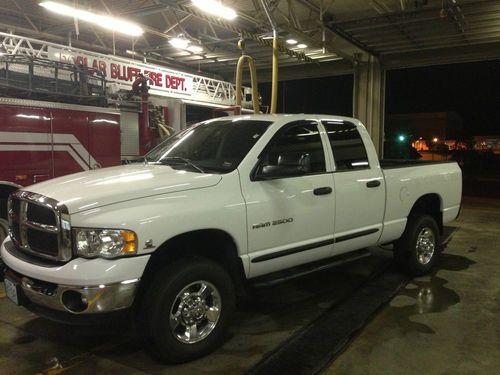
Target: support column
point(369, 98)
point(176, 114)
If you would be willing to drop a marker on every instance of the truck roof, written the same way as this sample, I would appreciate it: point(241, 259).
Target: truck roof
point(292, 117)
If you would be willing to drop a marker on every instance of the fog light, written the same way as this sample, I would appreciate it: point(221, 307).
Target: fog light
point(74, 301)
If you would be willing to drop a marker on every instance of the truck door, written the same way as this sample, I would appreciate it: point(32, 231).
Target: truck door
point(25, 145)
point(359, 188)
point(290, 213)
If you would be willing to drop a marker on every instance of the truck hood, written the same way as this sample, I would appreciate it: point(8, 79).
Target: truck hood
point(92, 189)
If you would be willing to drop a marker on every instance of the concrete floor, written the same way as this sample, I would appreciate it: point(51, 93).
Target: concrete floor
point(447, 322)
point(444, 323)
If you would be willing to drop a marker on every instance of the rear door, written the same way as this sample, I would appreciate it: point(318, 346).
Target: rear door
point(359, 188)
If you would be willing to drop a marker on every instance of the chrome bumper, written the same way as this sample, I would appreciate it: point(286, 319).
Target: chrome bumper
point(77, 299)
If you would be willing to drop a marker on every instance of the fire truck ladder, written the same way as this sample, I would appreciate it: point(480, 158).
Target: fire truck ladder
point(39, 78)
point(206, 90)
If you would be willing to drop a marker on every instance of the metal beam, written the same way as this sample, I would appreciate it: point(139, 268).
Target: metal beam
point(25, 16)
point(244, 33)
point(336, 29)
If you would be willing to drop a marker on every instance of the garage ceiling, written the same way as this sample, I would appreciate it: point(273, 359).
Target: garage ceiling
point(401, 33)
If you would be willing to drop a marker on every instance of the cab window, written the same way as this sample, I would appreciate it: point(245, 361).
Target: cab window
point(348, 149)
point(295, 150)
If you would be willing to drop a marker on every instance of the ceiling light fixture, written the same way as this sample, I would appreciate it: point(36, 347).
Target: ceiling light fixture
point(107, 22)
point(291, 41)
point(215, 8)
point(195, 49)
point(301, 45)
point(179, 42)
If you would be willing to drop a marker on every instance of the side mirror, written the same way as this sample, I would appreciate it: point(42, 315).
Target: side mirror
point(288, 164)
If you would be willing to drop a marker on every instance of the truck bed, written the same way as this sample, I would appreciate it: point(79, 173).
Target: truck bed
point(404, 163)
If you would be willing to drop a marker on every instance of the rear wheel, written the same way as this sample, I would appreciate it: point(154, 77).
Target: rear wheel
point(186, 311)
point(418, 248)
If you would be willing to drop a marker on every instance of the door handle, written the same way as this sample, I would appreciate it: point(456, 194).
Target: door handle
point(322, 190)
point(373, 183)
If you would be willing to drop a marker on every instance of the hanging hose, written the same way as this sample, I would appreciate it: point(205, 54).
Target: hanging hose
point(163, 131)
point(253, 78)
point(274, 90)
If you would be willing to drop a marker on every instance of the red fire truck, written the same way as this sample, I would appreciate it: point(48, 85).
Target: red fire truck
point(57, 117)
point(41, 140)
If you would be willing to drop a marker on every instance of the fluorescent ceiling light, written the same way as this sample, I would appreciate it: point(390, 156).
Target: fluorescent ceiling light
point(107, 22)
point(302, 45)
point(194, 49)
point(179, 42)
point(291, 41)
point(215, 8)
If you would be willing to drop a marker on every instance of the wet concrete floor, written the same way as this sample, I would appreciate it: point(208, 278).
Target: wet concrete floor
point(447, 322)
point(32, 345)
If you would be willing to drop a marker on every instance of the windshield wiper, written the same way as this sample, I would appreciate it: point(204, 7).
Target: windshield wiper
point(184, 160)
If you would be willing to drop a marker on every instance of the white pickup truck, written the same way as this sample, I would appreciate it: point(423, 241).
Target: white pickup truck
point(226, 203)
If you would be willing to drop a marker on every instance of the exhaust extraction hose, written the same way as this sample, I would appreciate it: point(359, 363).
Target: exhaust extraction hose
point(253, 78)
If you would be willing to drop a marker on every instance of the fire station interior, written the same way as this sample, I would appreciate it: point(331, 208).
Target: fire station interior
point(176, 63)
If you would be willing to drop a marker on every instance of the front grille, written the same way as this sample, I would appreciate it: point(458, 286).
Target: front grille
point(39, 226)
point(43, 242)
point(40, 214)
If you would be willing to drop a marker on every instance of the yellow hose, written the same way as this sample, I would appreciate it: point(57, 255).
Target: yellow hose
point(253, 78)
point(274, 90)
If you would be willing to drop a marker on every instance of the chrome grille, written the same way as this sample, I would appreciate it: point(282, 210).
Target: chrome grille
point(39, 226)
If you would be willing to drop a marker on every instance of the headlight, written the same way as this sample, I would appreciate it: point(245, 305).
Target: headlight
point(106, 243)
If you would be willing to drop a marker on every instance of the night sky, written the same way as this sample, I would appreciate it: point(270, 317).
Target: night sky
point(472, 90)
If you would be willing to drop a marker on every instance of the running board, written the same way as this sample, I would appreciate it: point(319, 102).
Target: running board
point(306, 269)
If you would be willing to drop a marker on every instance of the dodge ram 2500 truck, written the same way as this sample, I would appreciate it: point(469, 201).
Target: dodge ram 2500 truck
point(227, 202)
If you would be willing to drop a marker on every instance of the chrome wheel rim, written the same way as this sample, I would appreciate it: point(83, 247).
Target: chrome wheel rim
point(195, 312)
point(425, 246)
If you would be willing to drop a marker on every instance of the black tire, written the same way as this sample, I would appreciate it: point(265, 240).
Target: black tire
point(417, 250)
point(4, 226)
point(163, 297)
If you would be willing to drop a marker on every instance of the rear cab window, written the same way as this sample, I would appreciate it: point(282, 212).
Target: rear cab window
point(349, 152)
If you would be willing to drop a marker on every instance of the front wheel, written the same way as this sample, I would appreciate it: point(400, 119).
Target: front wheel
point(418, 248)
point(4, 227)
point(186, 311)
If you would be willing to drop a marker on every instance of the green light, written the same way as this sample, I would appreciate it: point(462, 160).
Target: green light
point(402, 138)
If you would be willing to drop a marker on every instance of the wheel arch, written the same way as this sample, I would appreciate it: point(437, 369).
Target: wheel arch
point(214, 244)
point(429, 204)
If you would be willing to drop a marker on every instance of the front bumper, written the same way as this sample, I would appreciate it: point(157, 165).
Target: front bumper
point(74, 299)
point(81, 286)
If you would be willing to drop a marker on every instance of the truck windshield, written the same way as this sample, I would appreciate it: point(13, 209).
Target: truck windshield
point(213, 146)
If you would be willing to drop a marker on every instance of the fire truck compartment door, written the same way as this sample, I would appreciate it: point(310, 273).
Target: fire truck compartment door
point(25, 144)
point(129, 126)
